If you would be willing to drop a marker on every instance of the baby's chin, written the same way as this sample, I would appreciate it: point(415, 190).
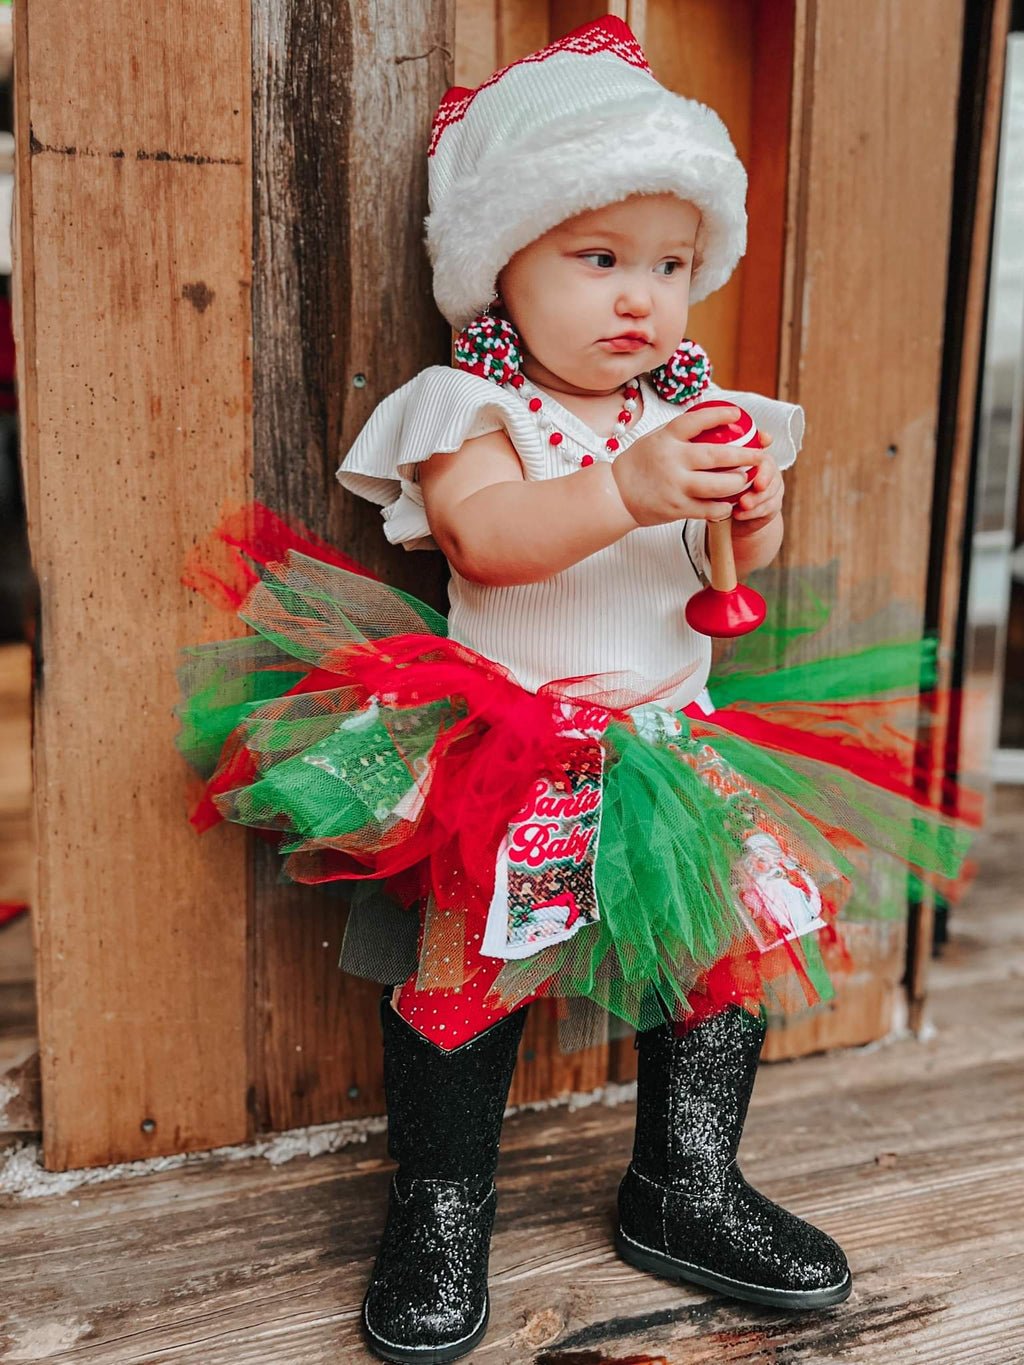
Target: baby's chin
point(608, 369)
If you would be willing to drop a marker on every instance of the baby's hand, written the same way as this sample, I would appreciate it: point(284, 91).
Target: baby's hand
point(762, 502)
point(670, 475)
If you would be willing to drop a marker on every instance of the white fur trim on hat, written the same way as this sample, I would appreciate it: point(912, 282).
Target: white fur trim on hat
point(615, 132)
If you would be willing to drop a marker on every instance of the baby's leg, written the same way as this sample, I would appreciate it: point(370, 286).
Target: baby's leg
point(449, 1018)
point(428, 1296)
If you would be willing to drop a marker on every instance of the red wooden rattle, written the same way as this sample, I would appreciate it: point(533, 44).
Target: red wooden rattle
point(726, 608)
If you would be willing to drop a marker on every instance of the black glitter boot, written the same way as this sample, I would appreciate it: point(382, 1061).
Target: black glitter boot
point(428, 1300)
point(685, 1210)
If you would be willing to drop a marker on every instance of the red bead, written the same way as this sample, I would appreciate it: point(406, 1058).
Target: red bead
point(555, 438)
point(611, 443)
point(518, 380)
point(535, 405)
point(631, 392)
point(587, 459)
point(625, 416)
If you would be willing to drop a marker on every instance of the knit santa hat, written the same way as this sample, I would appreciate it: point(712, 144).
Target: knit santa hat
point(579, 124)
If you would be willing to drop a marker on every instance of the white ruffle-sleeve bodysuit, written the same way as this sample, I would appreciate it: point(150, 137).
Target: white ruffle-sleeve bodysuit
point(619, 611)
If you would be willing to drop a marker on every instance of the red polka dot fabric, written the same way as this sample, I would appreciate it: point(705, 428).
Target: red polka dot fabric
point(449, 1018)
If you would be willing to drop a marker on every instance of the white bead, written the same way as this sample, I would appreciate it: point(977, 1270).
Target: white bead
point(630, 404)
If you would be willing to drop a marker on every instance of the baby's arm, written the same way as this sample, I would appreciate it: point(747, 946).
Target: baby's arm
point(499, 528)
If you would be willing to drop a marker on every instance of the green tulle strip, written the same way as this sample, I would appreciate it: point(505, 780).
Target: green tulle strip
point(882, 820)
point(222, 684)
point(303, 611)
point(874, 640)
point(351, 782)
point(894, 666)
point(311, 609)
point(665, 874)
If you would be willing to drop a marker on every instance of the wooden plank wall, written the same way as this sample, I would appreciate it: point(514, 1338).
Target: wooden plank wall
point(180, 981)
point(132, 228)
point(342, 315)
point(872, 148)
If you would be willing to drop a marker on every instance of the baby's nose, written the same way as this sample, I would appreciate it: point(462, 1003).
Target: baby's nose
point(637, 303)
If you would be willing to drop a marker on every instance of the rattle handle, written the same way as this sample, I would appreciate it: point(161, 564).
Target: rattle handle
point(723, 562)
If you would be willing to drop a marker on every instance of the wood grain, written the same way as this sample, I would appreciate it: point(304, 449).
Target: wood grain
point(911, 1155)
point(872, 144)
point(342, 315)
point(704, 49)
point(133, 271)
point(762, 270)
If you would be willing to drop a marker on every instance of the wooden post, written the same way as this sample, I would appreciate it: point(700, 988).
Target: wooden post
point(133, 235)
point(342, 315)
point(872, 143)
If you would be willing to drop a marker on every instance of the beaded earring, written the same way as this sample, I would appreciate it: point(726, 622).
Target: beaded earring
point(685, 374)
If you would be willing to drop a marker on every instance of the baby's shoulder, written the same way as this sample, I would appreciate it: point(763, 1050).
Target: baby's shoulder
point(451, 389)
point(439, 410)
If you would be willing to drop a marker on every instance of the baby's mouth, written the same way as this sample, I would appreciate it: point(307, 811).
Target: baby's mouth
point(624, 343)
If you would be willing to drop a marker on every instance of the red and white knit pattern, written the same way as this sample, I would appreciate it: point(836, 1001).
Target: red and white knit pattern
point(609, 36)
point(599, 63)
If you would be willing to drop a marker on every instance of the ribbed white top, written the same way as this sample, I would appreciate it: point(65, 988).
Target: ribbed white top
point(620, 611)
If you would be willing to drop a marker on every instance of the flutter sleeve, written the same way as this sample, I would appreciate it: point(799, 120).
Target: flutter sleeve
point(435, 412)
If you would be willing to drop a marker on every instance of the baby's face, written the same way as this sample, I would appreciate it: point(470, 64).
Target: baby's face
point(624, 268)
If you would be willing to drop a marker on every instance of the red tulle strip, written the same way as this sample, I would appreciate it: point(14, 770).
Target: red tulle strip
point(894, 770)
point(487, 756)
point(237, 768)
point(219, 566)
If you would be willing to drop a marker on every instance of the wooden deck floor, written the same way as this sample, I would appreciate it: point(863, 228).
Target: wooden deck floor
point(911, 1154)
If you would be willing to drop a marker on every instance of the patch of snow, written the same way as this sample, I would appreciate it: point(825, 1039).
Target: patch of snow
point(22, 1174)
point(8, 1092)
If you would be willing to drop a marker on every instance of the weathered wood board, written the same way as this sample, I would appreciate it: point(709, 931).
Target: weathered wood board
point(342, 315)
point(872, 146)
point(911, 1155)
point(132, 227)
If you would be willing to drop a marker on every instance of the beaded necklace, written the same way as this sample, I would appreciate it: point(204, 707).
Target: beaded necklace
point(581, 457)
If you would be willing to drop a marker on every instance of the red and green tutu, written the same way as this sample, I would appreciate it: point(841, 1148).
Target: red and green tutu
point(581, 844)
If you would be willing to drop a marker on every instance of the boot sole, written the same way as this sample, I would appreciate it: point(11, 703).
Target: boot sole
point(426, 1355)
point(657, 1263)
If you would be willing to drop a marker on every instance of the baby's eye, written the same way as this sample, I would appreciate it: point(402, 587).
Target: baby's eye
point(599, 256)
point(673, 266)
